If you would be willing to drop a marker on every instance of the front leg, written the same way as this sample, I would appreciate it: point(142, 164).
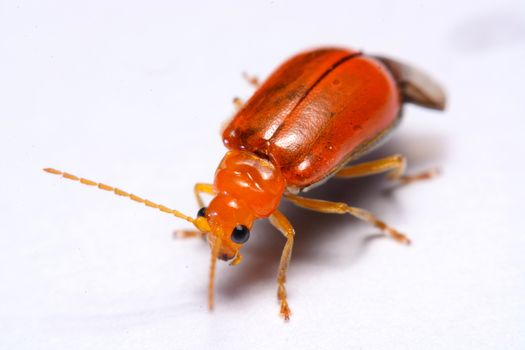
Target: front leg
point(198, 189)
point(280, 222)
point(202, 188)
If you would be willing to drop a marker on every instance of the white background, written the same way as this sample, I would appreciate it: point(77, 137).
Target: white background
point(134, 95)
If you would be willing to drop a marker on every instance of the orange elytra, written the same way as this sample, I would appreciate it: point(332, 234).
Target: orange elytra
point(311, 119)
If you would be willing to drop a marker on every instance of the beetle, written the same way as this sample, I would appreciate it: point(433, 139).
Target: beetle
point(310, 120)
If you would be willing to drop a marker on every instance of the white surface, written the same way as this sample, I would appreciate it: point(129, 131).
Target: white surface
point(134, 95)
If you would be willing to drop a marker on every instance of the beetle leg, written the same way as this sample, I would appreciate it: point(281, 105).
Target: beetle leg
point(342, 208)
point(197, 190)
point(252, 80)
point(395, 166)
point(202, 188)
point(238, 103)
point(280, 222)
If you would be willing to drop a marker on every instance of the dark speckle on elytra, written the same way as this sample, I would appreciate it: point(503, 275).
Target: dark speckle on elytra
point(336, 82)
point(294, 94)
point(357, 127)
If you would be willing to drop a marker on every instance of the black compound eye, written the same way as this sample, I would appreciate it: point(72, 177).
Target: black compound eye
point(240, 234)
point(201, 212)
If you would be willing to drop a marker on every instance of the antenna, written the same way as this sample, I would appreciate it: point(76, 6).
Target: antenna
point(122, 193)
point(211, 286)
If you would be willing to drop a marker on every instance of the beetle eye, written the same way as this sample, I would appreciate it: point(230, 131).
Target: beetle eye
point(201, 212)
point(240, 234)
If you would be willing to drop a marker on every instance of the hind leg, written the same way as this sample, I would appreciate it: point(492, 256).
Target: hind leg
point(394, 166)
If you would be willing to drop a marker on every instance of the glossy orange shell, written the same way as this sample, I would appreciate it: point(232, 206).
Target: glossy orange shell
point(315, 112)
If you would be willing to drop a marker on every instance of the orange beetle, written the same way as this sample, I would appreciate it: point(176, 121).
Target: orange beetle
point(317, 112)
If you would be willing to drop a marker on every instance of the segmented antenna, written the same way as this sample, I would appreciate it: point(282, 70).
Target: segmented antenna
point(122, 193)
point(211, 286)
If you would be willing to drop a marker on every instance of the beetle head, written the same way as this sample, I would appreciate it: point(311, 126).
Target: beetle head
point(230, 221)
point(227, 223)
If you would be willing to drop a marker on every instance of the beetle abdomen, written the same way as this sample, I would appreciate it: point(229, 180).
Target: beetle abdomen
point(315, 112)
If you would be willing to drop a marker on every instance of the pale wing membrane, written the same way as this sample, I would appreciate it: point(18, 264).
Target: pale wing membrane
point(416, 86)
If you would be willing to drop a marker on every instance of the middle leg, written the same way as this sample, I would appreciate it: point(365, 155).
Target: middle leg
point(254, 82)
point(342, 208)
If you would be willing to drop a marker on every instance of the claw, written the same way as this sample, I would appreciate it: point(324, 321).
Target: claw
point(285, 311)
